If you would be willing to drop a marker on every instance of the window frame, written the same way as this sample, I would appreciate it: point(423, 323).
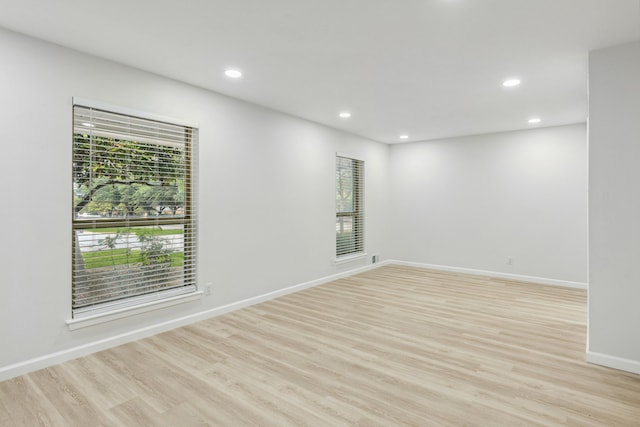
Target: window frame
point(84, 316)
point(357, 213)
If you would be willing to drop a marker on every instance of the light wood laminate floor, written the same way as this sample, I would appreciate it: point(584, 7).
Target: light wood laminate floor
point(389, 347)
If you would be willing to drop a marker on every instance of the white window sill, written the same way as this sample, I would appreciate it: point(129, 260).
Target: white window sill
point(350, 258)
point(109, 316)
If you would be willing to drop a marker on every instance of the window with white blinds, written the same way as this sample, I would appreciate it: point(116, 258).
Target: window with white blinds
point(349, 206)
point(134, 210)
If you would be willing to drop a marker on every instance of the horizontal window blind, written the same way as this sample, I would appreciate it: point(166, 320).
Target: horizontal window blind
point(134, 210)
point(349, 206)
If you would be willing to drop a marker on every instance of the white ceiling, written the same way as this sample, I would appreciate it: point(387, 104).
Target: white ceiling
point(428, 68)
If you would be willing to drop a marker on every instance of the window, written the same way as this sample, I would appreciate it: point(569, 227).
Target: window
point(134, 210)
point(349, 206)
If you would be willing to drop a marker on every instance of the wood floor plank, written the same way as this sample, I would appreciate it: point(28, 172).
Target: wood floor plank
point(392, 346)
point(24, 405)
point(136, 412)
point(93, 379)
point(63, 394)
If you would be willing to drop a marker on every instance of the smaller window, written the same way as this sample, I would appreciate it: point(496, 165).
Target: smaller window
point(349, 206)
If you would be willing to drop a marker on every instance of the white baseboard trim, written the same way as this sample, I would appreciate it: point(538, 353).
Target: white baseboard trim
point(496, 274)
point(615, 362)
point(31, 365)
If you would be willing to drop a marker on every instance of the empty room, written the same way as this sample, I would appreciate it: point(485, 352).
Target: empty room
point(323, 213)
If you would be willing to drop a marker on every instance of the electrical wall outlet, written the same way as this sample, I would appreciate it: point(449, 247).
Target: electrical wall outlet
point(509, 260)
point(207, 288)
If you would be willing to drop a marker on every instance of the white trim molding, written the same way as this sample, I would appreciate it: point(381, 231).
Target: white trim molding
point(21, 368)
point(496, 274)
point(614, 362)
point(108, 316)
point(91, 103)
point(350, 258)
point(348, 156)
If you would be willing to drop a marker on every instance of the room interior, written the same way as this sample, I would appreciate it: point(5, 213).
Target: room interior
point(456, 179)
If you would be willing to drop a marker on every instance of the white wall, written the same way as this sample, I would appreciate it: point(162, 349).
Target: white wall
point(614, 207)
point(266, 199)
point(471, 202)
point(267, 215)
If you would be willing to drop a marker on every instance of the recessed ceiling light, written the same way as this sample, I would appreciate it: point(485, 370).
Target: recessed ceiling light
point(404, 136)
point(534, 120)
point(344, 115)
point(511, 82)
point(233, 73)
